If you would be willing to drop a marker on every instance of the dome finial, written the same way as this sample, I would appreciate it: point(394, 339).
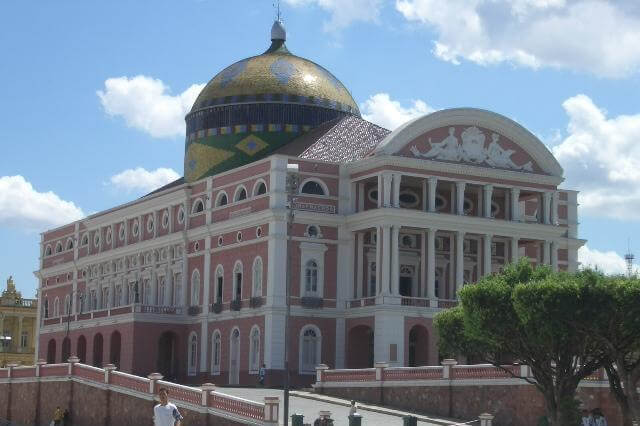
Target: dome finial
point(277, 30)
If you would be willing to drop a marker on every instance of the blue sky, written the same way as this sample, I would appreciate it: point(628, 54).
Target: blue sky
point(92, 94)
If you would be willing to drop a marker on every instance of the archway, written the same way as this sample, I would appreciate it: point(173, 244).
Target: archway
point(98, 343)
point(114, 349)
point(360, 347)
point(166, 361)
point(82, 349)
point(51, 352)
point(418, 346)
point(66, 349)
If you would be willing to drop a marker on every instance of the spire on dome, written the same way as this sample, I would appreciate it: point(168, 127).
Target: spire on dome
point(278, 32)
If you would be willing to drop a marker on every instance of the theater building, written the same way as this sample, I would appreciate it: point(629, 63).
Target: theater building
point(190, 280)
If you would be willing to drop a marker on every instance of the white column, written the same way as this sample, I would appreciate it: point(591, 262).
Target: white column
point(276, 267)
point(378, 260)
point(546, 252)
point(486, 254)
point(515, 204)
point(340, 342)
point(386, 259)
point(74, 292)
point(395, 261)
point(460, 197)
point(346, 265)
point(359, 264)
point(206, 284)
point(425, 200)
point(168, 290)
point(380, 189)
point(488, 196)
point(431, 263)
point(386, 189)
point(433, 187)
point(459, 261)
point(554, 256)
point(514, 249)
point(554, 207)
point(397, 178)
point(154, 288)
point(423, 265)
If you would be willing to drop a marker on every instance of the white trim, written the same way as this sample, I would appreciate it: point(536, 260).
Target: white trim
point(195, 203)
point(231, 371)
point(237, 192)
point(325, 189)
point(192, 370)
point(478, 117)
point(309, 252)
point(218, 274)
point(238, 267)
point(215, 368)
point(254, 369)
point(219, 196)
point(195, 273)
point(318, 347)
point(256, 185)
point(254, 290)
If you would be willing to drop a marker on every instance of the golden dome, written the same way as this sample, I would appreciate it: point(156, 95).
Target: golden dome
point(276, 76)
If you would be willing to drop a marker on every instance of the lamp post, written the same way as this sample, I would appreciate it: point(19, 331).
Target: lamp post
point(292, 188)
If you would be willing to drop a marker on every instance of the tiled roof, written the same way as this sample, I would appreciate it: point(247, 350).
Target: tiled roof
point(342, 140)
point(176, 182)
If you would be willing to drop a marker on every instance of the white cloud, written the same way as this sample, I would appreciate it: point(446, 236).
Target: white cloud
point(601, 158)
point(139, 179)
point(344, 12)
point(595, 36)
point(383, 111)
point(21, 206)
point(608, 262)
point(146, 104)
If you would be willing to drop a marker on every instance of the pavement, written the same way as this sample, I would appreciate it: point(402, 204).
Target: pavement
point(309, 404)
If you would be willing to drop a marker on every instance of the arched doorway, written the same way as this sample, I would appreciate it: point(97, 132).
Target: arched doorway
point(82, 349)
point(98, 343)
point(51, 352)
point(114, 349)
point(234, 359)
point(418, 346)
point(166, 361)
point(360, 347)
point(66, 349)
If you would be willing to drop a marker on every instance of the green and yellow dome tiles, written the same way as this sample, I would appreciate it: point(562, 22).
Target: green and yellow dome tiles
point(257, 105)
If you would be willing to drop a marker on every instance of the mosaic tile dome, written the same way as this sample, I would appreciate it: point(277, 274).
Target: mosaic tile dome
point(257, 105)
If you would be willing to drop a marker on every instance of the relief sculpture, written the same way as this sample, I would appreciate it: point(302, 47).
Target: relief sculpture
point(472, 150)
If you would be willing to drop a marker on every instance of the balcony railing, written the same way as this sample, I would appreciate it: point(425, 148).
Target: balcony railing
point(418, 302)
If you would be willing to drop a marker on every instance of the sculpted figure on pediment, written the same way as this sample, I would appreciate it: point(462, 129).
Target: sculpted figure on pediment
point(448, 149)
point(473, 145)
point(499, 157)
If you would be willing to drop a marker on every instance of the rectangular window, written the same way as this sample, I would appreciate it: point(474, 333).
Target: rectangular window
point(24, 339)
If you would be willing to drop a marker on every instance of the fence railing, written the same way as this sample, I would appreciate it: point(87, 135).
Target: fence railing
point(449, 370)
point(256, 412)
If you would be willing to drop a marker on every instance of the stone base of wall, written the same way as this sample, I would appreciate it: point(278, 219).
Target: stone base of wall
point(512, 405)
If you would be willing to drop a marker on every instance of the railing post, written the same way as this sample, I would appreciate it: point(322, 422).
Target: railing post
point(380, 366)
point(271, 410)
point(107, 372)
point(486, 419)
point(154, 377)
point(39, 365)
point(10, 368)
point(524, 370)
point(319, 372)
point(447, 365)
point(207, 388)
point(72, 360)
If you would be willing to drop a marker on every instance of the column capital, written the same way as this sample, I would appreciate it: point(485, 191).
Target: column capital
point(461, 184)
point(460, 233)
point(488, 187)
point(487, 235)
point(432, 179)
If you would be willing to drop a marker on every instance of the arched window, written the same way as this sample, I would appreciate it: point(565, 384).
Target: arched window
point(241, 194)
point(69, 244)
point(177, 289)
point(256, 288)
point(117, 296)
point(198, 206)
point(313, 187)
point(311, 278)
point(146, 291)
point(221, 199)
point(47, 251)
point(67, 305)
point(193, 354)
point(162, 292)
point(56, 307)
point(216, 352)
point(85, 240)
point(237, 281)
point(254, 350)
point(310, 349)
point(219, 284)
point(260, 188)
point(45, 308)
point(58, 247)
point(195, 288)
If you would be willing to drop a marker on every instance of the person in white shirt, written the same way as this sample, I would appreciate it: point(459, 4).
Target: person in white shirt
point(166, 413)
point(354, 408)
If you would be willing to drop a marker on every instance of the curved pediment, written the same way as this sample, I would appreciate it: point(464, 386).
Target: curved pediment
point(472, 136)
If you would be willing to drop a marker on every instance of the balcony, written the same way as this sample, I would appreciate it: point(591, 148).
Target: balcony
point(416, 302)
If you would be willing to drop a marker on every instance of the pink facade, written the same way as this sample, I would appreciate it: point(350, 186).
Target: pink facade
point(190, 281)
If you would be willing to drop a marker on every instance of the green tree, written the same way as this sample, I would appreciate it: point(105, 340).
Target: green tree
point(529, 314)
point(615, 306)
